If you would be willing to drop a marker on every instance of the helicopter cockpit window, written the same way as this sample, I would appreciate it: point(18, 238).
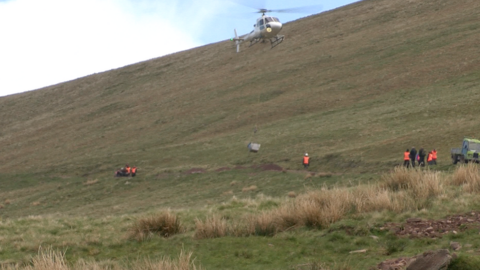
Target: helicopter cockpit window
point(275, 19)
point(260, 22)
point(268, 19)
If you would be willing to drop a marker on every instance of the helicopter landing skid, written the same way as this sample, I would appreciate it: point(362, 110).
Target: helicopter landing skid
point(276, 40)
point(253, 42)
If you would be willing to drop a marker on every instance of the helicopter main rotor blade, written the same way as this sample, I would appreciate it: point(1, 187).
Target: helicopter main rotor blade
point(306, 9)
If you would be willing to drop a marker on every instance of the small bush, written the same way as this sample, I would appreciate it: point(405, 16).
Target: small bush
point(165, 225)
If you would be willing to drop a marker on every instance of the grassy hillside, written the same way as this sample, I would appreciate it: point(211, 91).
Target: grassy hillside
point(361, 83)
point(353, 87)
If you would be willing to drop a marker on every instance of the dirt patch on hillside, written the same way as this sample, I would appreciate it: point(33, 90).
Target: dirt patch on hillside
point(195, 170)
point(223, 169)
point(419, 228)
point(268, 167)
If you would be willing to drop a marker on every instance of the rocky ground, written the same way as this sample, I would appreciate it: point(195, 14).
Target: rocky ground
point(418, 228)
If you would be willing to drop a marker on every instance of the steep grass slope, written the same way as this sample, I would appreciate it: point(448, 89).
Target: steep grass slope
point(354, 87)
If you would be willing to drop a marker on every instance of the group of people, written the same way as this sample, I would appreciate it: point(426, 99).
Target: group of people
point(126, 171)
point(411, 156)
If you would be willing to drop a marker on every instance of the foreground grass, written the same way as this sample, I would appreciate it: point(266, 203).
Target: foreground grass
point(316, 228)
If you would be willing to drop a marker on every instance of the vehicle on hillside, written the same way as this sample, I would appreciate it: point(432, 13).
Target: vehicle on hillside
point(468, 153)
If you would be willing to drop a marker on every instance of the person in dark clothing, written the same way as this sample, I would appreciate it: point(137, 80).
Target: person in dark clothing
point(421, 156)
point(413, 155)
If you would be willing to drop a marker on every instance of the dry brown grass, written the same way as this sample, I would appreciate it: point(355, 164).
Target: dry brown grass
point(213, 227)
point(184, 262)
point(230, 192)
point(250, 188)
point(8, 201)
point(292, 194)
point(423, 184)
point(90, 182)
point(165, 224)
point(468, 177)
point(50, 259)
point(401, 190)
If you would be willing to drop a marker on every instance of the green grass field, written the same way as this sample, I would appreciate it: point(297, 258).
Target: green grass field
point(353, 87)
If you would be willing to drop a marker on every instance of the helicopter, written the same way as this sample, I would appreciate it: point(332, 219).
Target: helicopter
point(267, 28)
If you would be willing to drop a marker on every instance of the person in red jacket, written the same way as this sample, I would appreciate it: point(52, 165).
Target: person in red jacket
point(406, 158)
point(306, 161)
point(134, 171)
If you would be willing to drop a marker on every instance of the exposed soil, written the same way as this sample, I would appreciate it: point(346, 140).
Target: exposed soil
point(418, 228)
point(269, 167)
point(195, 170)
point(223, 169)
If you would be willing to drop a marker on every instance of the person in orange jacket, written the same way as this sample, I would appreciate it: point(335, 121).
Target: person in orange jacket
point(434, 157)
point(406, 158)
point(134, 171)
point(430, 158)
point(306, 161)
point(128, 170)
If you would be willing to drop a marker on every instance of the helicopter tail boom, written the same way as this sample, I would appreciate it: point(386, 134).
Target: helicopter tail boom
point(237, 40)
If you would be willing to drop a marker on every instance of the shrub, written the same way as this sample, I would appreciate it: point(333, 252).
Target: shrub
point(166, 224)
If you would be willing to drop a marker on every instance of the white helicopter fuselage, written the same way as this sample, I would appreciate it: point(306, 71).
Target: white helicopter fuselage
point(266, 28)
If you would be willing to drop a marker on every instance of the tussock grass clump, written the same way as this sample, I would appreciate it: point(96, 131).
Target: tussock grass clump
point(165, 224)
point(55, 260)
point(49, 260)
point(324, 207)
point(467, 176)
point(264, 224)
point(422, 184)
point(402, 190)
point(184, 262)
point(212, 227)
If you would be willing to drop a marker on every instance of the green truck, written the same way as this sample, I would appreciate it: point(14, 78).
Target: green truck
point(468, 153)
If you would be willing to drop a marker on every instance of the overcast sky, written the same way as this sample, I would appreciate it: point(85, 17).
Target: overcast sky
point(45, 42)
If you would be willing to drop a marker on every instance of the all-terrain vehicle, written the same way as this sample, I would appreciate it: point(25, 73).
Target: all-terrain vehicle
point(468, 153)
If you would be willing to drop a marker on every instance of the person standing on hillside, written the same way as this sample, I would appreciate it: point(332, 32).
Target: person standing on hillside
point(434, 157)
point(421, 156)
point(430, 158)
point(413, 155)
point(306, 161)
point(406, 158)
